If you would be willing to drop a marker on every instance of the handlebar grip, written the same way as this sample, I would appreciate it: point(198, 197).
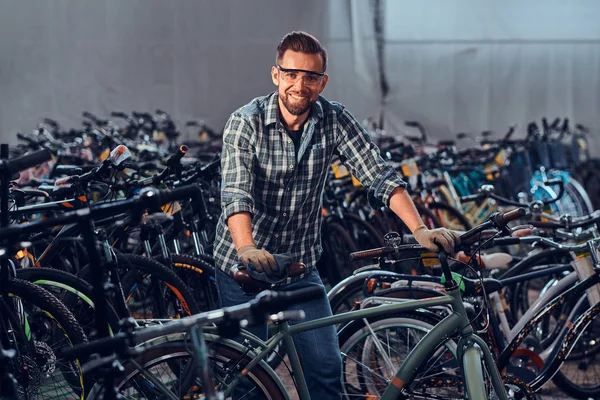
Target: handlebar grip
point(372, 253)
point(175, 158)
point(582, 128)
point(52, 123)
point(509, 133)
point(142, 115)
point(119, 114)
point(392, 146)
point(29, 160)
point(545, 124)
point(546, 224)
point(89, 115)
point(207, 168)
point(472, 197)
point(514, 214)
point(159, 111)
point(507, 241)
point(281, 300)
point(27, 138)
point(565, 126)
point(181, 193)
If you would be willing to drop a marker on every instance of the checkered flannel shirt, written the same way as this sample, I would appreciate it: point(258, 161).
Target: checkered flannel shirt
point(283, 193)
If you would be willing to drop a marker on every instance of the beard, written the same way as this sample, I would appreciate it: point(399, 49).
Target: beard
point(295, 106)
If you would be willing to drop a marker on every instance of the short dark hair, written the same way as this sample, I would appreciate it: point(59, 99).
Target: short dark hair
point(301, 42)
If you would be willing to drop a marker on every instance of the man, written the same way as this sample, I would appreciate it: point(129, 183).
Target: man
point(276, 155)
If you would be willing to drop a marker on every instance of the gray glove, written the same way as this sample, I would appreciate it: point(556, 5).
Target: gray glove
point(261, 260)
point(442, 236)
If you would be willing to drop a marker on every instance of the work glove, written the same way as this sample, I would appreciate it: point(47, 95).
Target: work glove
point(261, 260)
point(431, 238)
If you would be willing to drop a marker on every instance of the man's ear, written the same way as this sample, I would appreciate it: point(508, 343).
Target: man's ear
point(323, 83)
point(275, 76)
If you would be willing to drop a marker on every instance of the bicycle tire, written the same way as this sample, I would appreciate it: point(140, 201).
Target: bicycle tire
point(199, 275)
point(75, 293)
point(428, 217)
point(580, 362)
point(369, 238)
point(143, 265)
point(378, 223)
point(337, 246)
point(463, 222)
point(72, 332)
point(218, 351)
point(356, 332)
point(343, 301)
point(579, 193)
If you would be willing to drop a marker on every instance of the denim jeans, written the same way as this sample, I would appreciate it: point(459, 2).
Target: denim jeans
point(318, 349)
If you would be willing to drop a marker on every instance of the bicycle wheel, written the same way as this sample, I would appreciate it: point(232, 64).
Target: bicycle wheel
point(377, 221)
point(428, 217)
point(344, 300)
point(337, 246)
point(395, 224)
point(172, 364)
point(364, 235)
point(49, 325)
point(154, 291)
point(73, 292)
point(449, 216)
point(578, 375)
point(199, 275)
point(370, 361)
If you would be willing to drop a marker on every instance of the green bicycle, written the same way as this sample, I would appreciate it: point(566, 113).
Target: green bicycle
point(236, 365)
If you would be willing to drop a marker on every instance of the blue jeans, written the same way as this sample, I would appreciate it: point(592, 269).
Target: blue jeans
point(318, 349)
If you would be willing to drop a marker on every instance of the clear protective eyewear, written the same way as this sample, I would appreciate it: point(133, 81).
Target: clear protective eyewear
point(292, 76)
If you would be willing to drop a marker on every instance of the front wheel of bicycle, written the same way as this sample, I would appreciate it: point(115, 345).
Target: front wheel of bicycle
point(371, 355)
point(173, 365)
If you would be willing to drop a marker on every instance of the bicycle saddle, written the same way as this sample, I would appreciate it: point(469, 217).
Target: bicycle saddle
point(252, 286)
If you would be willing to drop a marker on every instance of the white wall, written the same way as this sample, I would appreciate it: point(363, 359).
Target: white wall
point(194, 59)
point(458, 65)
point(471, 65)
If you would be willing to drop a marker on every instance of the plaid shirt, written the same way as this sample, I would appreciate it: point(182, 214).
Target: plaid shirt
point(262, 175)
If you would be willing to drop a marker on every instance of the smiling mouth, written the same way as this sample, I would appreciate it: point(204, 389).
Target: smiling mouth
point(298, 97)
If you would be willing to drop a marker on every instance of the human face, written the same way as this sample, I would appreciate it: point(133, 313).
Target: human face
point(300, 79)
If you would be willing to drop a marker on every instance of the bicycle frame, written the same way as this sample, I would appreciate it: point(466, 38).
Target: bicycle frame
point(456, 321)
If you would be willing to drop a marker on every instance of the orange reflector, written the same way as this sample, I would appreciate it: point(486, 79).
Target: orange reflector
point(399, 383)
point(371, 285)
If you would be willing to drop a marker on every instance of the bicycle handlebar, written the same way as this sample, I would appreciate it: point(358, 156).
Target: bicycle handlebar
point(26, 161)
point(265, 303)
point(544, 241)
point(372, 253)
point(119, 114)
point(150, 199)
point(509, 134)
point(496, 220)
point(392, 146)
point(483, 194)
